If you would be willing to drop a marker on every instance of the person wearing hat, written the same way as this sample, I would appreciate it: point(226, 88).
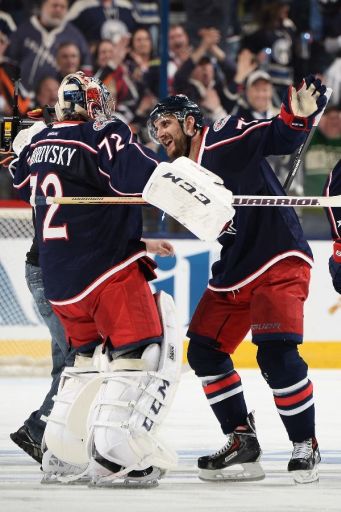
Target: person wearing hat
point(256, 101)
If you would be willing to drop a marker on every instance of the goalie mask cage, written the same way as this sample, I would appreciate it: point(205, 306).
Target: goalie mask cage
point(25, 342)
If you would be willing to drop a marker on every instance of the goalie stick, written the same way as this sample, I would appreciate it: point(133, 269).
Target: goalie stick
point(304, 201)
point(304, 147)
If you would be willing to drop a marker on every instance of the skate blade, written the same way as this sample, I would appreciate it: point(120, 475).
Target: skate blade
point(57, 479)
point(306, 476)
point(123, 484)
point(151, 480)
point(250, 472)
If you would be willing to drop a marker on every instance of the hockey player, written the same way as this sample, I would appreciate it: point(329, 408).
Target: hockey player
point(93, 260)
point(333, 188)
point(260, 281)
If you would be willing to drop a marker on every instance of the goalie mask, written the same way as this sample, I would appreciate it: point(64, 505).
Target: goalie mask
point(179, 106)
point(79, 95)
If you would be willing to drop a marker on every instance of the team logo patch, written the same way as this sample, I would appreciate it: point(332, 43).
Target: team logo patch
point(220, 123)
point(99, 124)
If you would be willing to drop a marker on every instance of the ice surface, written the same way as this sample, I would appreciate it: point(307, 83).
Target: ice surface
point(192, 430)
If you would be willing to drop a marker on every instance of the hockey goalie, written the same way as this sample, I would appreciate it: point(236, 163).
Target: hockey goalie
point(104, 426)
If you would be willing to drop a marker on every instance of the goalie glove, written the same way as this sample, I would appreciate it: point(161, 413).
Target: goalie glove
point(337, 250)
point(192, 195)
point(24, 137)
point(300, 106)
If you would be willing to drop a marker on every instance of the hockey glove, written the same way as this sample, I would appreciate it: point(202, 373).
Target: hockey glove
point(337, 250)
point(300, 106)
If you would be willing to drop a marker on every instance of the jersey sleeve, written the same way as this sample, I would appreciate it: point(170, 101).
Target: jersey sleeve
point(264, 136)
point(335, 272)
point(333, 188)
point(123, 162)
point(22, 176)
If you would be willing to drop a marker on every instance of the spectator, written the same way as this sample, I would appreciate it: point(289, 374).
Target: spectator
point(273, 43)
point(179, 47)
point(8, 70)
point(89, 17)
point(216, 13)
point(112, 72)
point(34, 45)
point(327, 54)
point(68, 59)
point(47, 92)
point(140, 54)
point(324, 151)
point(202, 77)
point(256, 102)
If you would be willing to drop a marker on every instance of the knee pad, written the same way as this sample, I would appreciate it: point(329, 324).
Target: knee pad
point(205, 360)
point(131, 405)
point(280, 363)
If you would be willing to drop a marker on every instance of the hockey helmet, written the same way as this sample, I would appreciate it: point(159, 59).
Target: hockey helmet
point(179, 106)
point(83, 96)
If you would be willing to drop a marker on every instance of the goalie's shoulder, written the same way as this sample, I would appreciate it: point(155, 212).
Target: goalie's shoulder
point(102, 128)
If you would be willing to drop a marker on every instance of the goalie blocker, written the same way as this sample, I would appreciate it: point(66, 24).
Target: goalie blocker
point(109, 414)
point(192, 195)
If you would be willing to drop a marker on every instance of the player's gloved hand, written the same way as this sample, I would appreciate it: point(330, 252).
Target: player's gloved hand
point(337, 250)
point(300, 106)
point(25, 136)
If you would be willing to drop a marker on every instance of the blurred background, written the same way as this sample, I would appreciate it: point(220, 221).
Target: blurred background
point(231, 57)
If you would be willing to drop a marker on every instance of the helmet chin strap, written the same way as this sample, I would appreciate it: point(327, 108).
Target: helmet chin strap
point(188, 140)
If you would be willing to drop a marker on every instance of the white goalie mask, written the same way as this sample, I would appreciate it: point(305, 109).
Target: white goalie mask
point(83, 96)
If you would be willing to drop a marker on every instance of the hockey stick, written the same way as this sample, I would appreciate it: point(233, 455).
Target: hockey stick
point(304, 147)
point(307, 201)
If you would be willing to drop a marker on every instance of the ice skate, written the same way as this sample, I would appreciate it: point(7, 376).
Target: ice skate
point(108, 474)
point(304, 460)
point(242, 449)
point(24, 440)
point(58, 471)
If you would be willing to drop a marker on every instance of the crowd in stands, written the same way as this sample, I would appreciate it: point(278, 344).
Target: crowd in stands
point(235, 57)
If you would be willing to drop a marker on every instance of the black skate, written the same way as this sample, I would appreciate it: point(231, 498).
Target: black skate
point(304, 460)
point(242, 448)
point(104, 474)
point(23, 438)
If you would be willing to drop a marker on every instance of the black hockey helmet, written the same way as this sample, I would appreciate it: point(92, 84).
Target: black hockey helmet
point(179, 106)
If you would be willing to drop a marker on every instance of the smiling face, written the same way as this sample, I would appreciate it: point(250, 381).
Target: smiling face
point(259, 95)
point(171, 136)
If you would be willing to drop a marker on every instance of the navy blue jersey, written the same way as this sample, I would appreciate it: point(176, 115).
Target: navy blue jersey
point(258, 236)
point(82, 245)
point(333, 188)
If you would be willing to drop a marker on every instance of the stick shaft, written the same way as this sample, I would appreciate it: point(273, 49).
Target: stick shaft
point(305, 201)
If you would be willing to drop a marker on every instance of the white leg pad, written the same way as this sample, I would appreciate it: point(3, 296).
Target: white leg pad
point(66, 429)
point(131, 405)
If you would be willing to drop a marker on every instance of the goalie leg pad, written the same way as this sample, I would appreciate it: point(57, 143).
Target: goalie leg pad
point(131, 405)
point(66, 429)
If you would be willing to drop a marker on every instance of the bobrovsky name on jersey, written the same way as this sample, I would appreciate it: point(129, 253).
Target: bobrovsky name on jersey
point(53, 154)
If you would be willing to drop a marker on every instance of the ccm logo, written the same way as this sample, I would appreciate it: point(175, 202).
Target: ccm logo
point(188, 187)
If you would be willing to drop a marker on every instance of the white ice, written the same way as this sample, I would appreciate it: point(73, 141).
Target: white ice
point(192, 430)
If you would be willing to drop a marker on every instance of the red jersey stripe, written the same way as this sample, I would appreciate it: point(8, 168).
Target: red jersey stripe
point(294, 399)
point(224, 383)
